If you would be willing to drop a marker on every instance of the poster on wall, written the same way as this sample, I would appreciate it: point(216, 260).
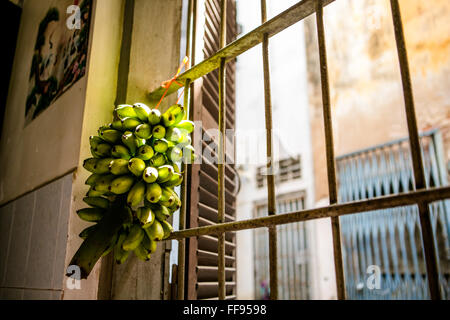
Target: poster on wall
point(60, 54)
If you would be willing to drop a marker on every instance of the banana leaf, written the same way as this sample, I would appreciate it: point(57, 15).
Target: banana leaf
point(100, 239)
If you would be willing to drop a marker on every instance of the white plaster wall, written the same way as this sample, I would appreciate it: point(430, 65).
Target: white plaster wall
point(49, 146)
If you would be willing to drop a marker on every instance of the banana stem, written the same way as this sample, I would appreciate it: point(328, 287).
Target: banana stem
point(100, 239)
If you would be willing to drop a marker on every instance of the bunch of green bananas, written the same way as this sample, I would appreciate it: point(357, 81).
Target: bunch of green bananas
point(138, 157)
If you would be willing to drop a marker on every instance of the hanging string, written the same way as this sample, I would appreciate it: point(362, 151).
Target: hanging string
point(166, 84)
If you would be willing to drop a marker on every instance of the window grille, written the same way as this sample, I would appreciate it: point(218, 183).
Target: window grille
point(421, 197)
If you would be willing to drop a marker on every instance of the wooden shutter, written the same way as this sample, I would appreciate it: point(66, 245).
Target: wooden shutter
point(201, 252)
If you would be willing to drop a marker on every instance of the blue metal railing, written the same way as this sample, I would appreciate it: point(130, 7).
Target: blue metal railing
point(390, 239)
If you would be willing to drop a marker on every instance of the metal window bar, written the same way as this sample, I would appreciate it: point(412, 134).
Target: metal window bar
point(293, 245)
point(331, 168)
point(221, 152)
point(421, 197)
point(182, 220)
point(271, 209)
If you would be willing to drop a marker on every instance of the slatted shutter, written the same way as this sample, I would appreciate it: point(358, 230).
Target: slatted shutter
point(202, 256)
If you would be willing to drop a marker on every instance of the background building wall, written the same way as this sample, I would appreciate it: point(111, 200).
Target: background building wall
point(292, 137)
point(366, 91)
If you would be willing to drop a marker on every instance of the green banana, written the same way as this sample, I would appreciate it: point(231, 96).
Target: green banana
point(119, 167)
point(95, 154)
point(153, 193)
point(142, 253)
point(136, 166)
point(175, 109)
point(121, 184)
point(103, 150)
point(174, 134)
point(140, 142)
point(154, 117)
point(94, 141)
point(162, 213)
point(174, 208)
point(185, 139)
point(102, 166)
point(85, 233)
point(134, 238)
point(90, 164)
point(129, 141)
point(150, 174)
point(117, 125)
point(102, 184)
point(167, 195)
point(176, 168)
point(149, 244)
point(136, 194)
point(142, 111)
point(128, 222)
point(143, 131)
point(177, 199)
point(173, 115)
point(169, 198)
point(167, 227)
point(111, 135)
point(155, 231)
point(90, 181)
point(158, 160)
point(161, 145)
point(165, 173)
point(145, 152)
point(159, 132)
point(119, 151)
point(186, 125)
point(120, 255)
point(103, 128)
point(170, 202)
point(179, 112)
point(94, 193)
point(174, 181)
point(189, 155)
point(130, 123)
point(168, 119)
point(125, 111)
point(176, 204)
point(174, 154)
point(91, 214)
point(146, 216)
point(97, 202)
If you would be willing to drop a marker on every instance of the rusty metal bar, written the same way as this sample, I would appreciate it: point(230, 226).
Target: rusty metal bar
point(416, 155)
point(273, 258)
point(331, 166)
point(335, 210)
point(278, 23)
point(182, 222)
point(181, 269)
point(221, 152)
